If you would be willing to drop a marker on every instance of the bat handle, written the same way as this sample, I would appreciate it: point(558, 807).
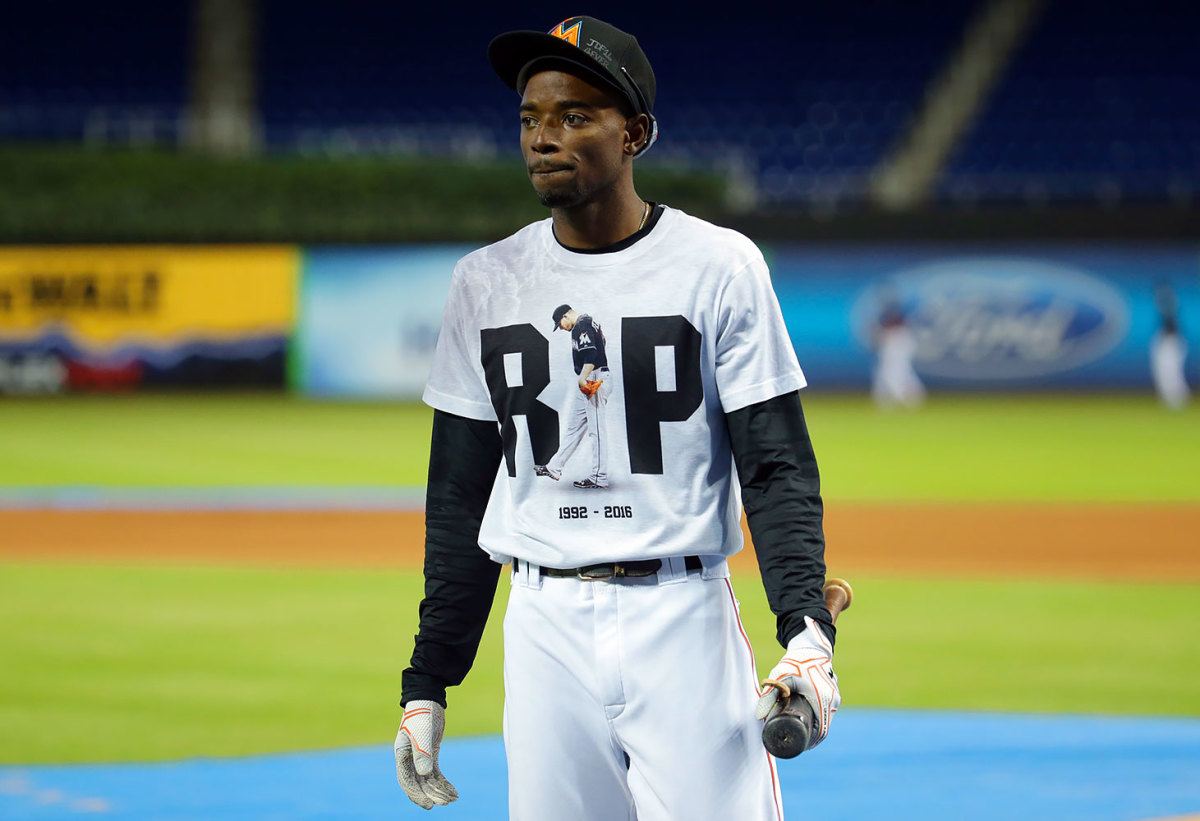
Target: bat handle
point(838, 596)
point(790, 732)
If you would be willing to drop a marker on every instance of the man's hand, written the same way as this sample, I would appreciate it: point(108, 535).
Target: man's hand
point(807, 670)
point(589, 389)
point(417, 745)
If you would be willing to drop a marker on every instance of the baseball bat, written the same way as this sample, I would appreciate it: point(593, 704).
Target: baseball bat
point(789, 732)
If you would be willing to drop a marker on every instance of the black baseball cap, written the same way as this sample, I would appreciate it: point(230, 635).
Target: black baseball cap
point(559, 313)
point(601, 53)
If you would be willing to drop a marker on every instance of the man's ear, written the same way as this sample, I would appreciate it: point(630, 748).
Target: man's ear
point(637, 132)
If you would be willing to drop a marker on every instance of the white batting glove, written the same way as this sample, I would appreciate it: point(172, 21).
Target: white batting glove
point(417, 745)
point(807, 670)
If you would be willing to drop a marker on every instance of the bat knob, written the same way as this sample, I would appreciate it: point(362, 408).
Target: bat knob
point(788, 733)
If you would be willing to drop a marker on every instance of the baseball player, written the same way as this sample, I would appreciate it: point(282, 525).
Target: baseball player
point(1168, 352)
point(630, 687)
point(894, 380)
point(595, 384)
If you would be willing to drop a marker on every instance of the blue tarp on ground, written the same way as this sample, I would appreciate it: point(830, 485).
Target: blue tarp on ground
point(877, 764)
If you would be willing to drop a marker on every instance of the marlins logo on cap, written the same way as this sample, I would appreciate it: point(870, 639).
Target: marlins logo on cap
point(571, 35)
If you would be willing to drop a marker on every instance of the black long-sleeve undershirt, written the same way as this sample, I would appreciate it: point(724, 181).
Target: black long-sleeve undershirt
point(460, 579)
point(781, 492)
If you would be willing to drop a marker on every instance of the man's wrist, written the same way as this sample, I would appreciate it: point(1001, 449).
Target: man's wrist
point(815, 636)
point(418, 686)
point(797, 625)
point(408, 698)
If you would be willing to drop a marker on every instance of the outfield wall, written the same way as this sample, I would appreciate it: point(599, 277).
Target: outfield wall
point(119, 318)
point(1010, 317)
point(363, 322)
point(369, 319)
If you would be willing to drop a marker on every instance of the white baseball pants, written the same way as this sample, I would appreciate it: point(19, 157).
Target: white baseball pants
point(587, 418)
point(895, 381)
point(1167, 355)
point(632, 699)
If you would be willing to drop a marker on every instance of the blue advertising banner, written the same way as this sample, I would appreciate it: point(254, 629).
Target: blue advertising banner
point(369, 319)
point(1006, 317)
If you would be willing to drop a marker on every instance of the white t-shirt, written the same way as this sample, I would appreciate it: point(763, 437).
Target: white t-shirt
point(692, 330)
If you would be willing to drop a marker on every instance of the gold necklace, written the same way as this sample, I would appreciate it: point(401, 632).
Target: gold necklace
point(645, 216)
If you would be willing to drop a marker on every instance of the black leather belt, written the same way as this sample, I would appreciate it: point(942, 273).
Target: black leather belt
point(617, 570)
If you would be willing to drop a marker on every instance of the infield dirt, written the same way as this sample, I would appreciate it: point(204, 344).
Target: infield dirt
point(1136, 542)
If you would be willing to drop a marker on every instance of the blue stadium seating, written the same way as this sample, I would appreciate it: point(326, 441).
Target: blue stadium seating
point(67, 68)
point(1101, 103)
point(806, 99)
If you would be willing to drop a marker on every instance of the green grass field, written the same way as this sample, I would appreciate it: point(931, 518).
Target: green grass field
point(1120, 448)
point(110, 663)
point(106, 662)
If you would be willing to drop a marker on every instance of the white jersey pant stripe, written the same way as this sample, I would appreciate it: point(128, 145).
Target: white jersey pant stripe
point(632, 699)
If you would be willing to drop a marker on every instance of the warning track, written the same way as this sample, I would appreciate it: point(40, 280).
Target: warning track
point(1137, 542)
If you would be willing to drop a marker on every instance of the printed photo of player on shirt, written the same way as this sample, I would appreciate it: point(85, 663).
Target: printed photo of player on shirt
point(586, 417)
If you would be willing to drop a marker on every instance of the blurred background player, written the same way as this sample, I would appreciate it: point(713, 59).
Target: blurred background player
point(1168, 352)
point(894, 380)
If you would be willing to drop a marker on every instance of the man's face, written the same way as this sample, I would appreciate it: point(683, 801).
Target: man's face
point(567, 322)
point(573, 138)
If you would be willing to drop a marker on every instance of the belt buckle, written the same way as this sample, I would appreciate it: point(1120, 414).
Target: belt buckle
point(601, 572)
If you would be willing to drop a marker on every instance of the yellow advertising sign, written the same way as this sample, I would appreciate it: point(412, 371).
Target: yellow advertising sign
point(105, 296)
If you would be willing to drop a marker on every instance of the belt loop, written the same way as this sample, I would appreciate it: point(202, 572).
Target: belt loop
point(529, 575)
point(673, 570)
point(719, 570)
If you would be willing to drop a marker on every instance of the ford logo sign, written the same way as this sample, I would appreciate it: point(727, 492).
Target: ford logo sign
point(985, 318)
